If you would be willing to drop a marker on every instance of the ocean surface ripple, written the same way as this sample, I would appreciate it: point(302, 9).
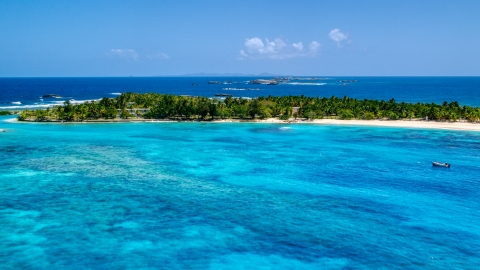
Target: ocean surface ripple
point(236, 196)
point(28, 93)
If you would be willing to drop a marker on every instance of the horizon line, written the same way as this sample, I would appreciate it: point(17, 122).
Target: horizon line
point(246, 75)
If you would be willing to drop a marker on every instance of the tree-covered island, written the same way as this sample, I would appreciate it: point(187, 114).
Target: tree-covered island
point(6, 113)
point(172, 107)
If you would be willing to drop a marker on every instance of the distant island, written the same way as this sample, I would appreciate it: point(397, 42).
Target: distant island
point(204, 74)
point(51, 96)
point(151, 106)
point(6, 113)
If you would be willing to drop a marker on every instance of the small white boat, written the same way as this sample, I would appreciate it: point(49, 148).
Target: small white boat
point(440, 164)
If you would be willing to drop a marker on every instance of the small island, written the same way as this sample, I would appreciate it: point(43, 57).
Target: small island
point(7, 112)
point(51, 96)
point(154, 106)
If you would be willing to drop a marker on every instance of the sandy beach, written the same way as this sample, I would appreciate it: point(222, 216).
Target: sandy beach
point(405, 124)
point(422, 124)
point(400, 124)
point(378, 123)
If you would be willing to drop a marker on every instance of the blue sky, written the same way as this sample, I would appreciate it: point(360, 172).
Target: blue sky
point(164, 38)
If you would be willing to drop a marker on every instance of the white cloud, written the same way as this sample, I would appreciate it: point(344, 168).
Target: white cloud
point(243, 54)
point(254, 44)
point(255, 48)
point(298, 46)
point(314, 47)
point(158, 56)
point(337, 36)
point(124, 53)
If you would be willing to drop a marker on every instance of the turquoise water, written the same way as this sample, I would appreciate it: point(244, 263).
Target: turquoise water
point(236, 196)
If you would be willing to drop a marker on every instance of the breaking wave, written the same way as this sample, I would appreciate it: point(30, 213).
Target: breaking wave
point(241, 89)
point(298, 83)
point(26, 107)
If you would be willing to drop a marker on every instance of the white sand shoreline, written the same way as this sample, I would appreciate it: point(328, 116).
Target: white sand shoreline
point(404, 124)
point(420, 124)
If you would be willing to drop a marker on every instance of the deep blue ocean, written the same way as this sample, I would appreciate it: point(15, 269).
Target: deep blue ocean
point(237, 195)
point(22, 93)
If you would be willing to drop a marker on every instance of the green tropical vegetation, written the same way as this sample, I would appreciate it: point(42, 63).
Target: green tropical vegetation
point(164, 106)
point(6, 112)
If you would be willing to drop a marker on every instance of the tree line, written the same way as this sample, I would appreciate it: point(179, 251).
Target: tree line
point(165, 106)
point(6, 112)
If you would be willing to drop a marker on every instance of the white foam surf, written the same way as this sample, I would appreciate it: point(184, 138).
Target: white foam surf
point(37, 106)
point(241, 89)
point(298, 83)
point(11, 120)
point(42, 106)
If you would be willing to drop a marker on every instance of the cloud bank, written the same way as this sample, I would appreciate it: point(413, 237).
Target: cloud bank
point(255, 48)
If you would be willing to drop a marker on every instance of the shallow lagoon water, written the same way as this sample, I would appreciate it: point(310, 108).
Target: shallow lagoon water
point(235, 196)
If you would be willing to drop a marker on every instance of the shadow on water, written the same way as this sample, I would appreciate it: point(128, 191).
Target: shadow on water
point(272, 130)
point(228, 140)
point(163, 137)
